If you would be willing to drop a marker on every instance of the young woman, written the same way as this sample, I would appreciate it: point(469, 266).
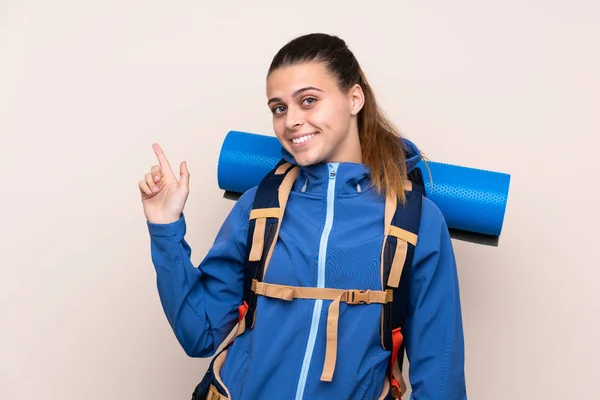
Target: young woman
point(350, 160)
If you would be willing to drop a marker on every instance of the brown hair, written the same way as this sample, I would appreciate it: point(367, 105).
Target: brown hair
point(382, 150)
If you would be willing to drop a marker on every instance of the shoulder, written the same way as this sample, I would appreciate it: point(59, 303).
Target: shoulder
point(433, 234)
point(244, 204)
point(235, 225)
point(431, 215)
point(247, 198)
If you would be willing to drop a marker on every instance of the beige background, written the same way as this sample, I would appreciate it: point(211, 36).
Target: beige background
point(86, 87)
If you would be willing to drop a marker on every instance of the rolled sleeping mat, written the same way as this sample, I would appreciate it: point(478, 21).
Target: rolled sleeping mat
point(473, 201)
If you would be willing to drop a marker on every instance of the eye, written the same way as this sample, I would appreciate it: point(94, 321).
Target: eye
point(278, 110)
point(309, 101)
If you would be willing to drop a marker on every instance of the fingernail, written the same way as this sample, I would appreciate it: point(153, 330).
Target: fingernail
point(156, 178)
point(155, 189)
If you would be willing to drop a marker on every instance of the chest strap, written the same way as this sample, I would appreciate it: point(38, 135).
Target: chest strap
point(350, 296)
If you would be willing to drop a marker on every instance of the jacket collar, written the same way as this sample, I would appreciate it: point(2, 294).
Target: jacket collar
point(350, 178)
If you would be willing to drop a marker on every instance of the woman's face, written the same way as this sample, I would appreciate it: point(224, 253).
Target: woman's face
point(312, 118)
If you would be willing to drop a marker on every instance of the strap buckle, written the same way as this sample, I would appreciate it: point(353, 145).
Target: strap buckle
point(358, 297)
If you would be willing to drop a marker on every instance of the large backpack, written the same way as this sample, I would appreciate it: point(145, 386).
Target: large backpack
point(401, 234)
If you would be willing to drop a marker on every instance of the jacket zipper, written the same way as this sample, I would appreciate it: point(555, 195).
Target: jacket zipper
point(314, 327)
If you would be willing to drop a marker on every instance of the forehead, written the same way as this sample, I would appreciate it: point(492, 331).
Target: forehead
point(285, 80)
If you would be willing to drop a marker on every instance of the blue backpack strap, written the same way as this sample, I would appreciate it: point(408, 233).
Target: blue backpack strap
point(265, 219)
point(398, 252)
point(402, 238)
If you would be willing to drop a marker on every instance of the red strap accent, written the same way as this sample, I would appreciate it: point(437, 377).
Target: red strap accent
point(397, 339)
point(243, 309)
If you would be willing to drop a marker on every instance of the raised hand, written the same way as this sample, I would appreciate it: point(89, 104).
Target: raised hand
point(163, 196)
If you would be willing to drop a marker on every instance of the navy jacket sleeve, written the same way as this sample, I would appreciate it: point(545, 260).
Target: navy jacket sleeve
point(433, 333)
point(201, 302)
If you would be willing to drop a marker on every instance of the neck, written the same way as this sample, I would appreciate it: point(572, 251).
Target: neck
point(349, 151)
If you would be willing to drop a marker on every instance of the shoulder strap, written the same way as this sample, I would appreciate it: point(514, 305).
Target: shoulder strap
point(265, 220)
point(401, 236)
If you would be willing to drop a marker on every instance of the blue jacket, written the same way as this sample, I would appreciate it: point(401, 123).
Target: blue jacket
point(331, 236)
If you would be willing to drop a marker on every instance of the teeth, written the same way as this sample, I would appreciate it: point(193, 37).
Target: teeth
point(303, 139)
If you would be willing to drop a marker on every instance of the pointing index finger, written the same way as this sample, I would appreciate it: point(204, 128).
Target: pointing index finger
point(162, 159)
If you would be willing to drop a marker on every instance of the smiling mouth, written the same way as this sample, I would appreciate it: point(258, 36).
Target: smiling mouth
point(302, 140)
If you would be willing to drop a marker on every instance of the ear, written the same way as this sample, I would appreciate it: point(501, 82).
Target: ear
point(357, 99)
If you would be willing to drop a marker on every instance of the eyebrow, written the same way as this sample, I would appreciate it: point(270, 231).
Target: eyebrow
point(295, 94)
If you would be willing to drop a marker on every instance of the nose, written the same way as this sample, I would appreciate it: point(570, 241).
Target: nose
point(293, 118)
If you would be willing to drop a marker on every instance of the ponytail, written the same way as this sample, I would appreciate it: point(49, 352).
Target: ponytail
point(382, 150)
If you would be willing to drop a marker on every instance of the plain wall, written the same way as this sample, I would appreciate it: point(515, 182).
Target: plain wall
point(86, 87)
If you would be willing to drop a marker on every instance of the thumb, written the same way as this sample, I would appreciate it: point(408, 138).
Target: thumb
point(184, 175)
